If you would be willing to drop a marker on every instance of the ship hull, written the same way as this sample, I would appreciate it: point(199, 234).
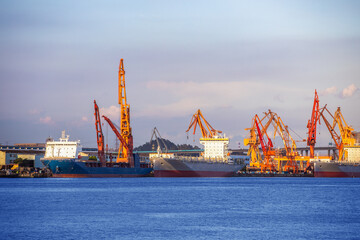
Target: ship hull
point(336, 169)
point(164, 167)
point(70, 168)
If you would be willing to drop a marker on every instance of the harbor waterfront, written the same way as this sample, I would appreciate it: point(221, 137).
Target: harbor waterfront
point(180, 208)
point(163, 120)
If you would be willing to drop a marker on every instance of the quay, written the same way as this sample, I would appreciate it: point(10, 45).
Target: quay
point(9, 154)
point(259, 174)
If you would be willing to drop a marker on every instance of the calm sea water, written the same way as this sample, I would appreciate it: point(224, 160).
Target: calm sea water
point(180, 208)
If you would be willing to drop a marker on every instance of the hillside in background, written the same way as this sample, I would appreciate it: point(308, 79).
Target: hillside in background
point(152, 146)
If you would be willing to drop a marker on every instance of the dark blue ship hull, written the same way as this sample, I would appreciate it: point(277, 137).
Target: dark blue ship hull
point(74, 168)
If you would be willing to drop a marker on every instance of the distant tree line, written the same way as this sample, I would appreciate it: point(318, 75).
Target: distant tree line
point(152, 146)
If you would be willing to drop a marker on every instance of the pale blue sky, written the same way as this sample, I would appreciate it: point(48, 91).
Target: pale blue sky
point(231, 59)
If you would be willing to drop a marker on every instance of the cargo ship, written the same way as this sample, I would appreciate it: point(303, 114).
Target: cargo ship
point(349, 167)
point(194, 167)
point(65, 160)
point(215, 162)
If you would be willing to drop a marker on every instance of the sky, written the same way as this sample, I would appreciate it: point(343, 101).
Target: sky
point(231, 59)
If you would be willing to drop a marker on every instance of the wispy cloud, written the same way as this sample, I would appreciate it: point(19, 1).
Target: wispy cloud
point(176, 99)
point(328, 91)
point(47, 120)
point(183, 98)
point(349, 91)
point(84, 119)
point(112, 112)
point(34, 111)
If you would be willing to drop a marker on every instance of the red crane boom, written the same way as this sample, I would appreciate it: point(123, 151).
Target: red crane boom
point(127, 146)
point(99, 136)
point(337, 139)
point(267, 147)
point(315, 117)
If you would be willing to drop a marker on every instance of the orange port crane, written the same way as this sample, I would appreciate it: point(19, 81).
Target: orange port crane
point(206, 129)
point(128, 147)
point(125, 153)
point(315, 117)
point(346, 131)
point(267, 147)
point(289, 144)
point(125, 148)
point(253, 140)
point(346, 137)
point(333, 133)
point(99, 136)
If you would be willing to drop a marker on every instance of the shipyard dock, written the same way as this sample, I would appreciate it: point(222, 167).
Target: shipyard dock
point(34, 152)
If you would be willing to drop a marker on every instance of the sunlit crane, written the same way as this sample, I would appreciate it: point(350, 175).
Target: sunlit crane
point(346, 131)
point(206, 129)
point(267, 147)
point(253, 141)
point(129, 148)
point(215, 145)
point(315, 118)
point(99, 136)
point(125, 148)
point(346, 136)
point(289, 145)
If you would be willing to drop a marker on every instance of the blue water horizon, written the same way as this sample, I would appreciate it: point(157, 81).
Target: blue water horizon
point(180, 208)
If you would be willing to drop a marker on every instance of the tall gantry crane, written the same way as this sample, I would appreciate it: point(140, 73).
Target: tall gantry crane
point(346, 131)
point(206, 129)
point(128, 147)
point(215, 145)
point(267, 147)
point(157, 136)
point(333, 133)
point(315, 118)
point(253, 141)
point(289, 145)
point(99, 136)
point(125, 154)
point(346, 137)
point(125, 148)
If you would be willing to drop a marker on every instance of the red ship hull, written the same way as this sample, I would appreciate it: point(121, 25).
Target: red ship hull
point(170, 167)
point(336, 169)
point(96, 175)
point(175, 173)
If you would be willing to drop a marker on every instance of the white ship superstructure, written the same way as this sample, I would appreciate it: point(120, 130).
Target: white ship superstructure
point(62, 148)
point(349, 167)
point(216, 147)
point(353, 153)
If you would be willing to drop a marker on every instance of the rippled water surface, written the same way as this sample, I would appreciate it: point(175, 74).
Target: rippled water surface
point(180, 208)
